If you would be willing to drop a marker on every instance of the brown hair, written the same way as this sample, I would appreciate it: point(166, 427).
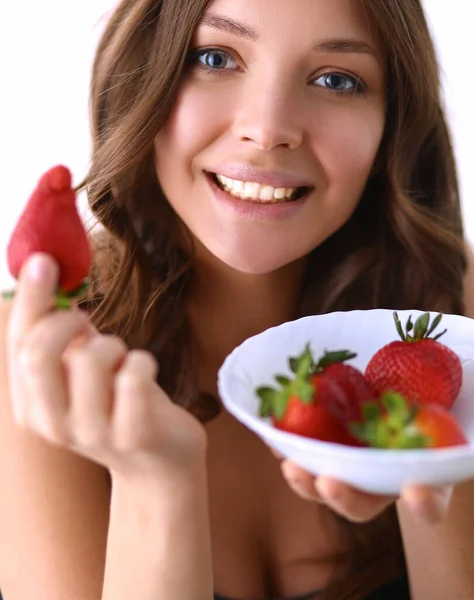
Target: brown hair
point(402, 248)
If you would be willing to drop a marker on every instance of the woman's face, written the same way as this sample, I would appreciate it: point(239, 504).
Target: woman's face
point(275, 130)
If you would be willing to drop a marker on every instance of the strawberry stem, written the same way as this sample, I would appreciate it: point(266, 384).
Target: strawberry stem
point(331, 358)
point(421, 330)
point(64, 300)
point(274, 401)
point(391, 426)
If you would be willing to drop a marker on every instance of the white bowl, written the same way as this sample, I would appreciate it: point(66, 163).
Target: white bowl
point(255, 362)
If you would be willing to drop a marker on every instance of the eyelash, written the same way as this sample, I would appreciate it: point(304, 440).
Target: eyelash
point(359, 88)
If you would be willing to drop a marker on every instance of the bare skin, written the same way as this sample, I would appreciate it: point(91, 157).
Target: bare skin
point(259, 539)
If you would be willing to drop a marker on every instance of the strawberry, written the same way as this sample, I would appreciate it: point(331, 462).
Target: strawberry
point(400, 425)
point(50, 223)
point(300, 405)
point(356, 389)
point(419, 367)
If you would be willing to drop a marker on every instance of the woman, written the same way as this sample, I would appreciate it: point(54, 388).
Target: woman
point(253, 162)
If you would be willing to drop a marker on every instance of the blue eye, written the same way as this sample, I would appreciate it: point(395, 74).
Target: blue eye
point(340, 83)
point(213, 60)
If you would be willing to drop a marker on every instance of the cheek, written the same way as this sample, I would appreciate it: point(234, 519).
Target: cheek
point(349, 147)
point(192, 125)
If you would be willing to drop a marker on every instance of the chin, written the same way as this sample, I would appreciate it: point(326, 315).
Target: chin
point(253, 263)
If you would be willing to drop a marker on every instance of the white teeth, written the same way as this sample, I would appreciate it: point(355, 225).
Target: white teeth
point(251, 190)
point(255, 191)
point(267, 193)
point(236, 186)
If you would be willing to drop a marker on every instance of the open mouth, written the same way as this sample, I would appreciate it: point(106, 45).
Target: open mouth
point(255, 192)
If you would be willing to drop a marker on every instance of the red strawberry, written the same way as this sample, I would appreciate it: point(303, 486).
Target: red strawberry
point(356, 389)
point(51, 223)
point(419, 367)
point(400, 425)
point(300, 405)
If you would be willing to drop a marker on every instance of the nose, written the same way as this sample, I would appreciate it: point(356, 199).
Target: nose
point(267, 117)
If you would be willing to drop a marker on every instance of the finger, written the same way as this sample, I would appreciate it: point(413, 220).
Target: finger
point(91, 372)
point(135, 391)
point(42, 403)
point(355, 505)
point(34, 295)
point(429, 504)
point(300, 481)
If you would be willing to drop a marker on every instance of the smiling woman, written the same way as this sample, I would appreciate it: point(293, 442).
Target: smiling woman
point(286, 123)
point(253, 162)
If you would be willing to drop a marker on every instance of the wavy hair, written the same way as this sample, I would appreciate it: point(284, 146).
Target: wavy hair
point(402, 248)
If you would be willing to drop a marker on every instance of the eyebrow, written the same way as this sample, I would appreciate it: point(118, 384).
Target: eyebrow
point(345, 46)
point(231, 26)
point(336, 45)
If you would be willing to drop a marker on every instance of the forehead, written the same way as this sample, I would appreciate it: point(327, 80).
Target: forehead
point(300, 19)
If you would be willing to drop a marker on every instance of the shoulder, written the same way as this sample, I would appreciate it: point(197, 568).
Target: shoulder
point(469, 281)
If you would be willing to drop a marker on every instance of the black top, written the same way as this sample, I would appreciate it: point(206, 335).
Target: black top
point(305, 597)
point(397, 590)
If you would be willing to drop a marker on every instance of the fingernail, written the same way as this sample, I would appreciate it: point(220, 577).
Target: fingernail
point(38, 268)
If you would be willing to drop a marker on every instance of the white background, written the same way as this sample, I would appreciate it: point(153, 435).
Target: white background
point(46, 51)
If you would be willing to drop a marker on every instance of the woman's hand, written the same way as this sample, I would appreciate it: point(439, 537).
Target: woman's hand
point(429, 504)
point(88, 392)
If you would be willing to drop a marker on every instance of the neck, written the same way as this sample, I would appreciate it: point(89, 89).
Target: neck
point(227, 306)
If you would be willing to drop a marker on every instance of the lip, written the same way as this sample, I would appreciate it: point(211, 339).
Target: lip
point(257, 211)
point(277, 179)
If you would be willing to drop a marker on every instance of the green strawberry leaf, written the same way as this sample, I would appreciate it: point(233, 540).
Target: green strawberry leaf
point(274, 401)
point(330, 358)
point(413, 441)
point(306, 363)
point(79, 291)
point(399, 326)
point(421, 330)
point(293, 362)
point(394, 402)
point(371, 411)
point(434, 325)
point(64, 300)
point(421, 326)
point(63, 303)
point(393, 429)
point(436, 337)
point(364, 432)
point(282, 380)
point(280, 404)
point(304, 390)
point(302, 365)
point(267, 397)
